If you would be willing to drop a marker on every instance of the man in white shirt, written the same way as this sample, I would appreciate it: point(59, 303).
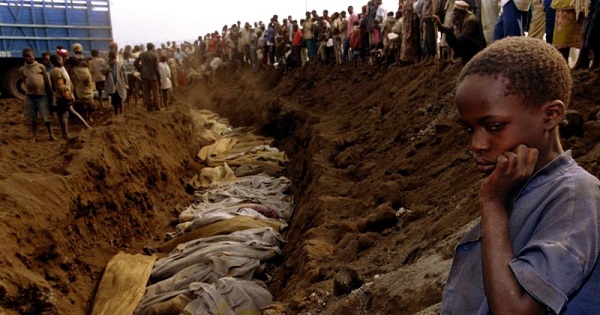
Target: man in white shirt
point(381, 12)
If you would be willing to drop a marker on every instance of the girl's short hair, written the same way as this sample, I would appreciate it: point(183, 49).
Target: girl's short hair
point(531, 68)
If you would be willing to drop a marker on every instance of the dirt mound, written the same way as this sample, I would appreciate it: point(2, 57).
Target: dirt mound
point(383, 181)
point(68, 207)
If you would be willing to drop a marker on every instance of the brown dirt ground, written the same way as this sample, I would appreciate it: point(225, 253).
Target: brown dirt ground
point(362, 143)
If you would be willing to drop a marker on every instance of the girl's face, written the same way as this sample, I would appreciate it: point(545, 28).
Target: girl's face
point(497, 123)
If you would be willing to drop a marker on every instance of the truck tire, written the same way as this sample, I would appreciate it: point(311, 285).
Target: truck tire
point(12, 84)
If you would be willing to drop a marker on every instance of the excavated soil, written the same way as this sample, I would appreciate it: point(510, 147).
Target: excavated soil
point(384, 187)
point(67, 208)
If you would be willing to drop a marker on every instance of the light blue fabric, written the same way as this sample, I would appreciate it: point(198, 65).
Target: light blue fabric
point(555, 233)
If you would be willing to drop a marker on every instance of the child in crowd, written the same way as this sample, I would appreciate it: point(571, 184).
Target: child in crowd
point(253, 47)
point(83, 87)
point(165, 80)
point(376, 45)
point(64, 99)
point(536, 247)
point(46, 60)
point(38, 92)
point(375, 37)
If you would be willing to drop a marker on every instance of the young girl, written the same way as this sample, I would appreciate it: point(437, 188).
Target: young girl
point(536, 247)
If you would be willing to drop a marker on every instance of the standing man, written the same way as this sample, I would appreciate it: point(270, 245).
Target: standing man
point(201, 49)
point(308, 35)
point(96, 64)
point(352, 17)
point(343, 32)
point(381, 13)
point(147, 64)
point(38, 92)
point(116, 82)
point(269, 37)
point(246, 42)
point(114, 47)
point(296, 46)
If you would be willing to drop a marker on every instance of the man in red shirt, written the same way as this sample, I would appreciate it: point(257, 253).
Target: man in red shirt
point(297, 45)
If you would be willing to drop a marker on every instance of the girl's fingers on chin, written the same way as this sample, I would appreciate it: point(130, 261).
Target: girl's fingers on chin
point(501, 158)
point(533, 154)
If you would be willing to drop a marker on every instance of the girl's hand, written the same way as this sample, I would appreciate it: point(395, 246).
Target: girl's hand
point(512, 170)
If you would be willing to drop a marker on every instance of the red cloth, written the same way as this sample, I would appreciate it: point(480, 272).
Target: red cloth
point(212, 45)
point(297, 40)
point(355, 40)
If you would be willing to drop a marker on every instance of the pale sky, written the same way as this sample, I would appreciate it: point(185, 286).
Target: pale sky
point(159, 21)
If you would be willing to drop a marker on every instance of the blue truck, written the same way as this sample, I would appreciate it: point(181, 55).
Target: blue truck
point(45, 24)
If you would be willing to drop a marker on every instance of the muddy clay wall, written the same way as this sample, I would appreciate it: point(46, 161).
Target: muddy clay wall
point(384, 182)
point(68, 208)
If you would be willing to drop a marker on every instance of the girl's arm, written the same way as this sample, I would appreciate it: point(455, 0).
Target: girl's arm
point(505, 295)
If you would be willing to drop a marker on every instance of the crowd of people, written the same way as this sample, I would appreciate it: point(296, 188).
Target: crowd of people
point(414, 31)
point(418, 31)
point(69, 84)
